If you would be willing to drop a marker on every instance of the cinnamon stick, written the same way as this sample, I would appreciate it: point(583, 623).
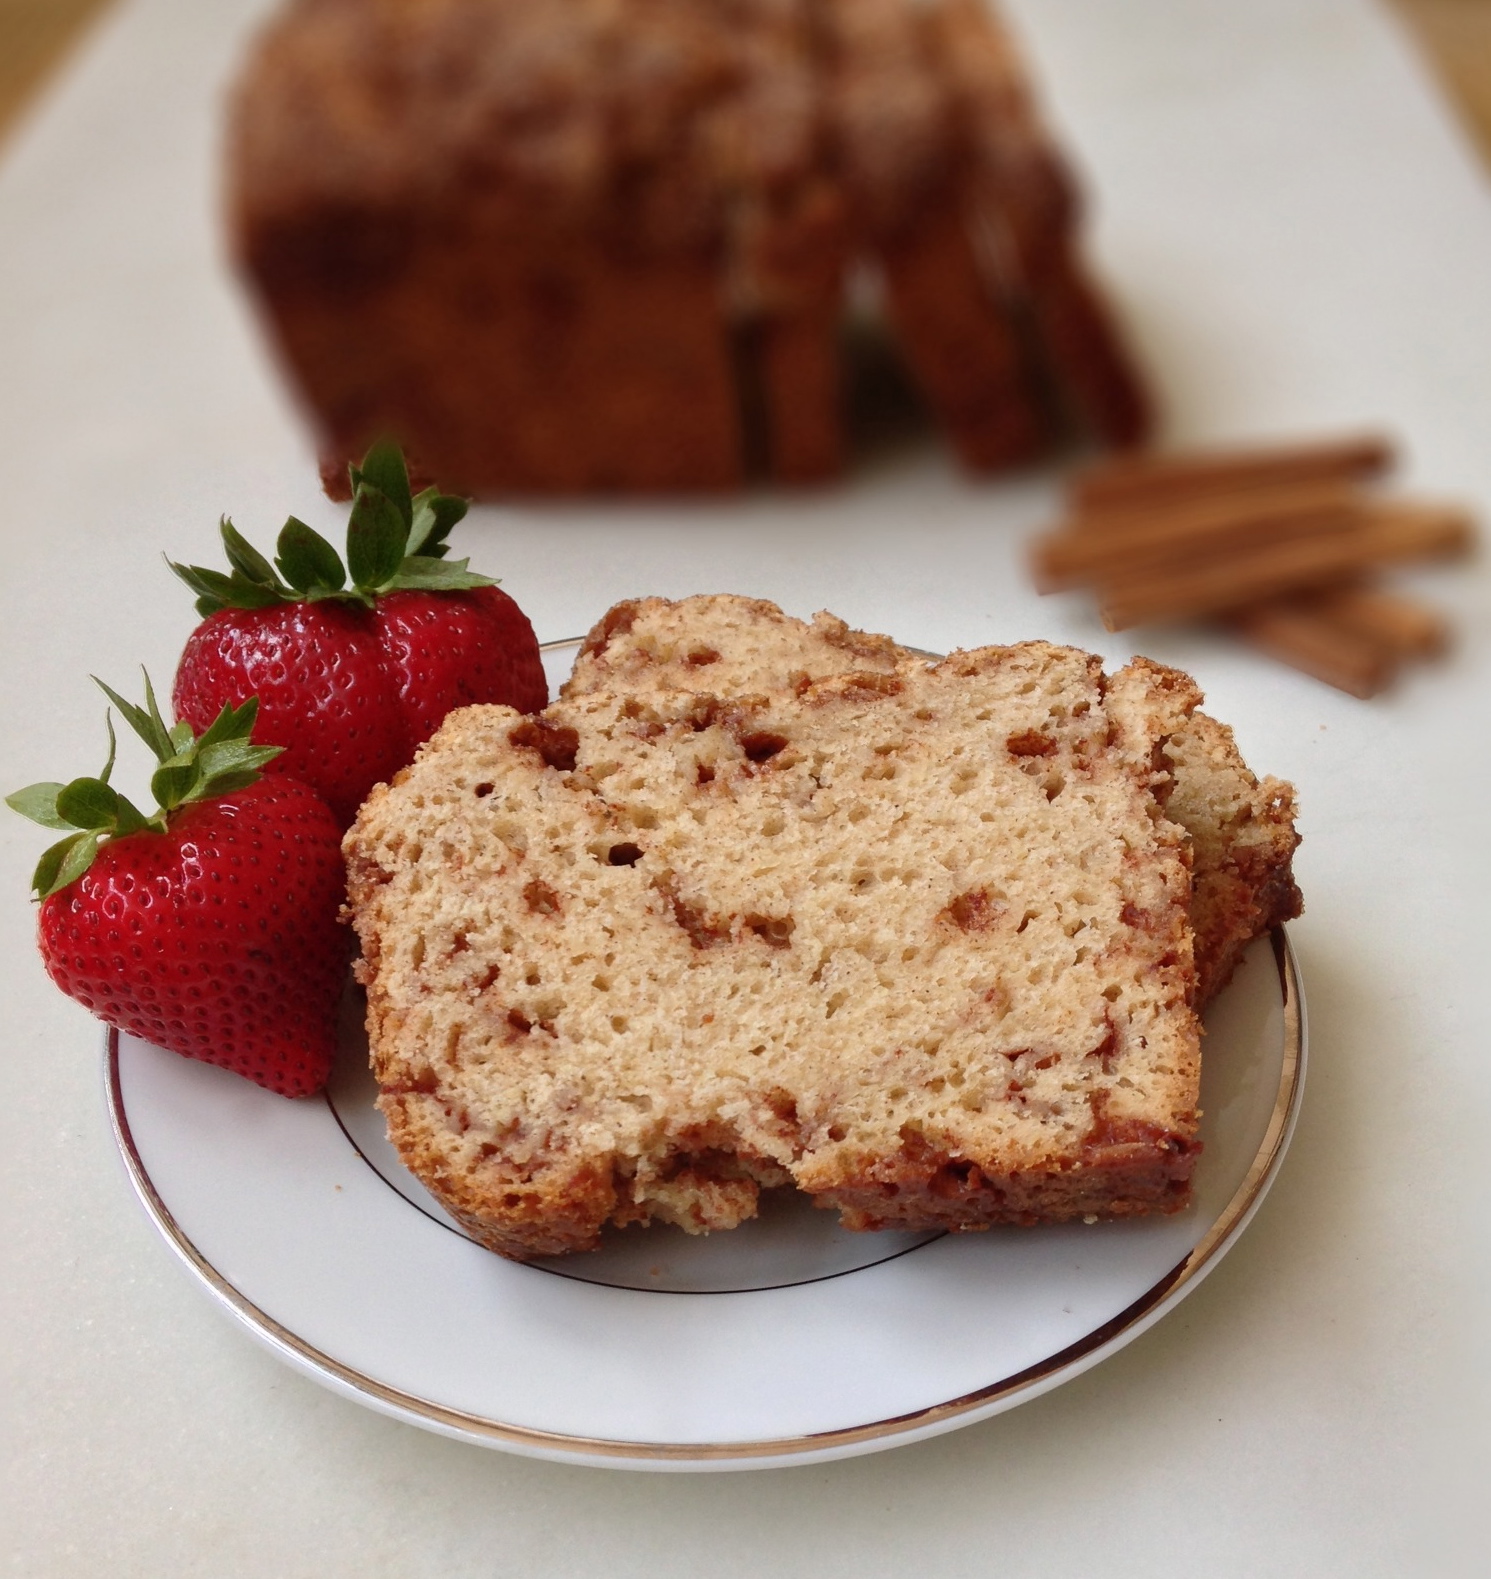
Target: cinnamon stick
point(1400, 625)
point(1386, 534)
point(1342, 658)
point(1189, 529)
point(1149, 479)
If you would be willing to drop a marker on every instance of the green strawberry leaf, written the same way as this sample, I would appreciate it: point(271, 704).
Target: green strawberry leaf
point(230, 758)
point(226, 592)
point(63, 863)
point(77, 860)
point(232, 753)
point(129, 818)
point(113, 747)
point(435, 513)
point(156, 721)
point(174, 780)
point(376, 534)
point(232, 723)
point(210, 585)
point(246, 594)
point(383, 468)
point(93, 806)
point(222, 759)
point(88, 803)
point(307, 561)
point(440, 575)
point(226, 783)
point(246, 559)
point(422, 523)
point(39, 803)
point(146, 724)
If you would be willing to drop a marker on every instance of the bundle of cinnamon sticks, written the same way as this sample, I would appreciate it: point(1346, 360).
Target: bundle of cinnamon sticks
point(1281, 544)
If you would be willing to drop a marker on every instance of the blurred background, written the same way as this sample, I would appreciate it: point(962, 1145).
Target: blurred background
point(1455, 35)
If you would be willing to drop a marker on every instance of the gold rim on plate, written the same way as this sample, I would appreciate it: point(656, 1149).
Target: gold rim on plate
point(1005, 1392)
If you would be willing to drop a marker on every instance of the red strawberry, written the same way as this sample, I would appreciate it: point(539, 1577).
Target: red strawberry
point(351, 680)
point(324, 691)
point(209, 928)
point(450, 649)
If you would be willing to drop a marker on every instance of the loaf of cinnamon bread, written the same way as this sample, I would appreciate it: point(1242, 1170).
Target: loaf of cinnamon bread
point(911, 936)
point(564, 246)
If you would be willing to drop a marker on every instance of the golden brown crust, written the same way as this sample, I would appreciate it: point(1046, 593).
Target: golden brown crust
point(790, 245)
point(1244, 839)
point(517, 1212)
point(948, 1192)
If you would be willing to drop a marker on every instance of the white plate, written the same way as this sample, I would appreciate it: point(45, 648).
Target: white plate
point(786, 1341)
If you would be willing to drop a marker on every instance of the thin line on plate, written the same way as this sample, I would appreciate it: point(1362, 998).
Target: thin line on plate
point(632, 1288)
point(1086, 1350)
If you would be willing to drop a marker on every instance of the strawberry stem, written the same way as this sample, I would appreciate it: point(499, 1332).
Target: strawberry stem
point(191, 768)
point(395, 541)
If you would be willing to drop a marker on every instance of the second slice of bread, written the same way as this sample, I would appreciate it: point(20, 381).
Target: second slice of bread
point(1242, 830)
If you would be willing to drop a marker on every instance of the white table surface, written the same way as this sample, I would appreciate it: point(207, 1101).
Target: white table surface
point(1303, 241)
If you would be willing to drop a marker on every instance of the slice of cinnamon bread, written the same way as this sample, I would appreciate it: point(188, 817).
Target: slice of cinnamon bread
point(914, 939)
point(1242, 831)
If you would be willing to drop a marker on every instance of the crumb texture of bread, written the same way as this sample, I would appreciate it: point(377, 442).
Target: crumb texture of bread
point(911, 936)
point(1242, 831)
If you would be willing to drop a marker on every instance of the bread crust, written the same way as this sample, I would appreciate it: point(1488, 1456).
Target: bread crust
point(1243, 840)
